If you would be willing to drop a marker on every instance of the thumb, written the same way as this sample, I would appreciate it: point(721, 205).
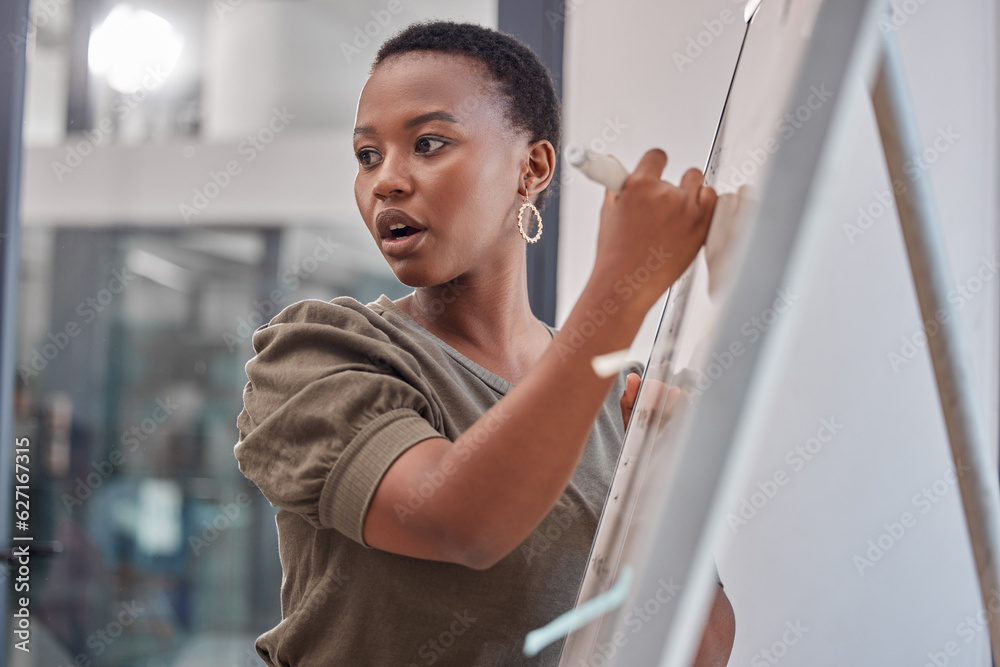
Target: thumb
point(628, 397)
point(631, 391)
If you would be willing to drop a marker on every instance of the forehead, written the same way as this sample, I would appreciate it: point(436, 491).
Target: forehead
point(410, 84)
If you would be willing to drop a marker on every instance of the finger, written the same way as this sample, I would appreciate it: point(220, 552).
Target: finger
point(706, 202)
point(633, 386)
point(652, 163)
point(692, 180)
point(672, 394)
point(627, 408)
point(668, 412)
point(707, 196)
point(657, 390)
point(631, 390)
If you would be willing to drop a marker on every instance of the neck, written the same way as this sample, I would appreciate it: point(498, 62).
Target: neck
point(488, 308)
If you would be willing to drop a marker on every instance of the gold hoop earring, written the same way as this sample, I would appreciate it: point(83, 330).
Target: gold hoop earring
point(538, 217)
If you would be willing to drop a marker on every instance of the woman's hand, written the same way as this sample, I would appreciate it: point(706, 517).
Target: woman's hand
point(719, 635)
point(627, 401)
point(658, 389)
point(651, 231)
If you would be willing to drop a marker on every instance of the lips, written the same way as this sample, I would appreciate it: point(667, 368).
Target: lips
point(394, 216)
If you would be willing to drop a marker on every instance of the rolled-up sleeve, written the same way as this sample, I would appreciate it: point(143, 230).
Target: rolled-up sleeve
point(330, 404)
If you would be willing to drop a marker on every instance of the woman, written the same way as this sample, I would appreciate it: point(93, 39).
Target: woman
point(440, 462)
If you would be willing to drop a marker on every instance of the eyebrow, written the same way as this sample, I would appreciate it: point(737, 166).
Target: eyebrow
point(413, 122)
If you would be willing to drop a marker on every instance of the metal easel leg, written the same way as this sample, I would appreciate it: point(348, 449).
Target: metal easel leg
point(932, 277)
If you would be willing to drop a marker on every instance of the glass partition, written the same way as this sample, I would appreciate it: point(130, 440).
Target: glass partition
point(187, 173)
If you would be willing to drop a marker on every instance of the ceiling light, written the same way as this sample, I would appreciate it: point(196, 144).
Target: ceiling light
point(134, 49)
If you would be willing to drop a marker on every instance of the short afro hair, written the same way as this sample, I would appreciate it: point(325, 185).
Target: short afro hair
point(522, 78)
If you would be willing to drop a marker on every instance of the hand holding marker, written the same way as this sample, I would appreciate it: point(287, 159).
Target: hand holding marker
point(610, 173)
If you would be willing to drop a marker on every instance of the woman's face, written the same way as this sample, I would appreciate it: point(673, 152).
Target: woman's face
point(432, 143)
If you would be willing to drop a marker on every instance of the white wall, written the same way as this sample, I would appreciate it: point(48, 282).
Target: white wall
point(795, 560)
point(623, 95)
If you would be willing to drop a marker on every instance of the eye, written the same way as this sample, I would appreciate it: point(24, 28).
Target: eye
point(427, 144)
point(368, 157)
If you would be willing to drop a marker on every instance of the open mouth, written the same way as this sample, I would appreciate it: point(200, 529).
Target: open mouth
point(402, 232)
point(396, 226)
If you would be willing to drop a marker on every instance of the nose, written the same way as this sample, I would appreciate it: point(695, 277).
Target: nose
point(392, 178)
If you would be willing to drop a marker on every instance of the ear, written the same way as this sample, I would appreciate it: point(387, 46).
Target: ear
point(538, 167)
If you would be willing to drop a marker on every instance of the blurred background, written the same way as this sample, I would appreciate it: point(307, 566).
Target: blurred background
point(187, 172)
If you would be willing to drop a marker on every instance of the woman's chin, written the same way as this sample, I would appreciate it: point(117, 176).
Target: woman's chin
point(416, 279)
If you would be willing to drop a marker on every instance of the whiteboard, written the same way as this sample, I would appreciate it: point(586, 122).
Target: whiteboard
point(764, 116)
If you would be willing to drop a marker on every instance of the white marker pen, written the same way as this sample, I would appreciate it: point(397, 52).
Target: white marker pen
point(604, 169)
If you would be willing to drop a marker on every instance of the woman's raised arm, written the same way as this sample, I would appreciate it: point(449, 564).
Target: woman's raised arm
point(504, 474)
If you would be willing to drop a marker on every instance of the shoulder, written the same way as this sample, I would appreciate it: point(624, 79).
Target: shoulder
point(340, 316)
point(337, 311)
point(311, 339)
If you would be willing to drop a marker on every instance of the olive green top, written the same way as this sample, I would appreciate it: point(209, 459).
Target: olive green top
point(336, 392)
